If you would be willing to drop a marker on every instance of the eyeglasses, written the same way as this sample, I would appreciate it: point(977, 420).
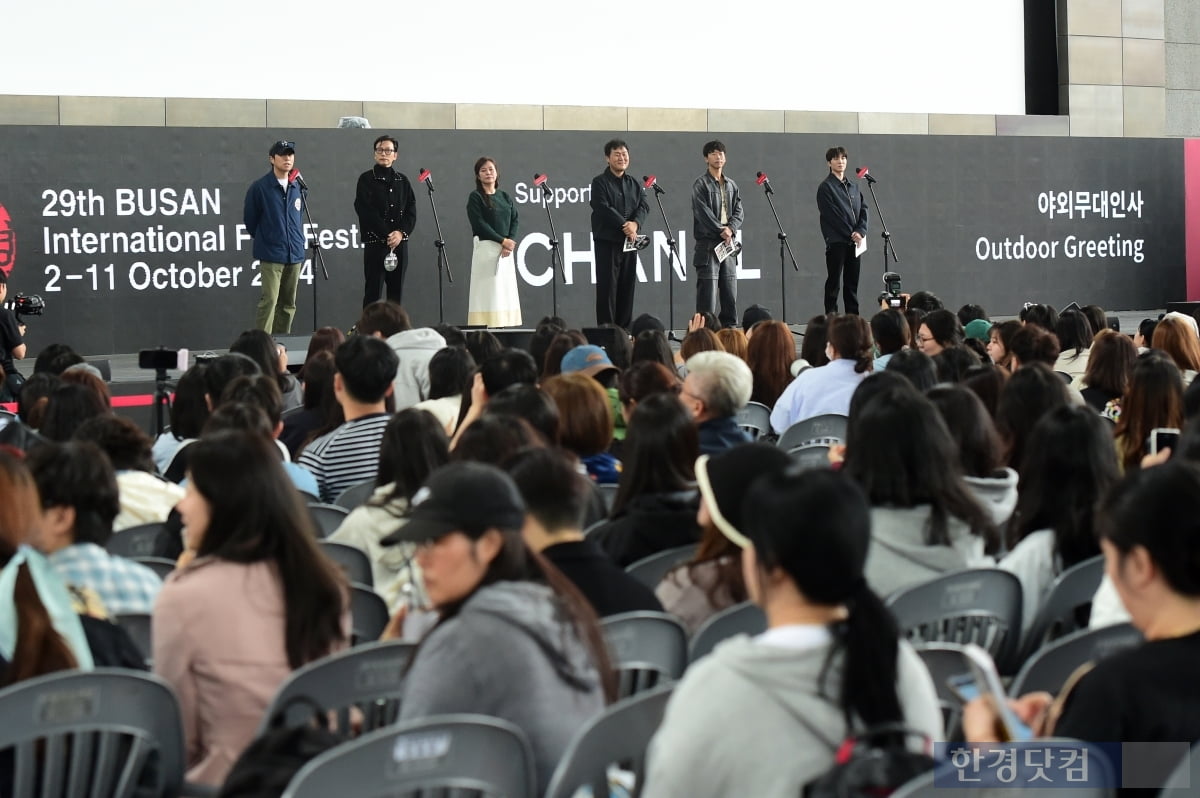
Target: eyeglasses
point(925, 340)
point(382, 151)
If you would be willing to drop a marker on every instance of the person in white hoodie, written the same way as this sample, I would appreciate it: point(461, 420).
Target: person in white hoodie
point(924, 520)
point(764, 716)
point(414, 347)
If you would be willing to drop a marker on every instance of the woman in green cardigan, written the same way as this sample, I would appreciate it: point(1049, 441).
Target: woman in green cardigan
point(494, 300)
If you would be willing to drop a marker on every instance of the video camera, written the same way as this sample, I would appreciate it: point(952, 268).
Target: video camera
point(23, 305)
point(892, 295)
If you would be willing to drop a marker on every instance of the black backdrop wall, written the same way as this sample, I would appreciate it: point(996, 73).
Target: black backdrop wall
point(132, 234)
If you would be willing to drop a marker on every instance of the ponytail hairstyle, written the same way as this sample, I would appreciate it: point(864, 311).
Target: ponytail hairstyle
point(850, 337)
point(815, 527)
point(39, 648)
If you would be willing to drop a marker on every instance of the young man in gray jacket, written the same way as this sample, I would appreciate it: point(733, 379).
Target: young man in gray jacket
point(716, 218)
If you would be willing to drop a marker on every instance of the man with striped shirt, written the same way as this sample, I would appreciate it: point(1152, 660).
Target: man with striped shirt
point(349, 455)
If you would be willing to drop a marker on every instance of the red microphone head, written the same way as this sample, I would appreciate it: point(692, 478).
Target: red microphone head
point(292, 175)
point(423, 176)
point(861, 172)
point(539, 179)
point(762, 178)
point(648, 182)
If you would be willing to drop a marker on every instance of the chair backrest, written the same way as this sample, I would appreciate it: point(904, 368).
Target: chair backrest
point(361, 688)
point(608, 492)
point(1050, 666)
point(355, 495)
point(137, 626)
point(755, 419)
point(651, 570)
point(143, 540)
point(327, 517)
point(824, 429)
point(977, 605)
point(811, 455)
point(109, 732)
point(1067, 604)
point(472, 754)
point(647, 648)
point(618, 736)
point(353, 560)
point(368, 614)
point(159, 565)
point(746, 618)
point(944, 660)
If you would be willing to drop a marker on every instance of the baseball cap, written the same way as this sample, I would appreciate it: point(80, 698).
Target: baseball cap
point(462, 497)
point(978, 328)
point(588, 359)
point(282, 147)
point(724, 478)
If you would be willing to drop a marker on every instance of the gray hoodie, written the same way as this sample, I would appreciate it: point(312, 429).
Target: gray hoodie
point(750, 720)
point(415, 348)
point(512, 653)
point(997, 494)
point(899, 556)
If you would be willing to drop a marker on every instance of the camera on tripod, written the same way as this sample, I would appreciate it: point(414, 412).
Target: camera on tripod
point(162, 359)
point(891, 297)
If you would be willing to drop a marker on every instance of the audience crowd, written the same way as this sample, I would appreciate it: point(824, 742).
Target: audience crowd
point(501, 493)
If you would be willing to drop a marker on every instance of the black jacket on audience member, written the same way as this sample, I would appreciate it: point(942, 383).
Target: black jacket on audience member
point(651, 523)
point(608, 588)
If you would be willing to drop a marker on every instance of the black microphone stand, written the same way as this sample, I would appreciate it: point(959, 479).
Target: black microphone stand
point(317, 255)
point(556, 258)
point(658, 192)
point(887, 237)
point(443, 262)
point(784, 247)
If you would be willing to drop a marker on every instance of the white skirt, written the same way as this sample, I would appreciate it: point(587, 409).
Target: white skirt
point(493, 299)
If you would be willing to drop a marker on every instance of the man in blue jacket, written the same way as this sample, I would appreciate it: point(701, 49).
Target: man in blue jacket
point(843, 225)
point(274, 218)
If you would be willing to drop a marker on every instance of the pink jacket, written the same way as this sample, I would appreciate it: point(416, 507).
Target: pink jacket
point(218, 633)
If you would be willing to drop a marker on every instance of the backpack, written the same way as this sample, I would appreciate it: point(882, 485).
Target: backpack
point(872, 764)
point(267, 766)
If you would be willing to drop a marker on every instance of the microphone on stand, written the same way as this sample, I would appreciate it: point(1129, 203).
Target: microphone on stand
point(652, 182)
point(294, 176)
point(863, 172)
point(426, 177)
point(765, 182)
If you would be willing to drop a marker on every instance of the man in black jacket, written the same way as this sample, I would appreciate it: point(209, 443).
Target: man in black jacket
point(618, 210)
point(843, 225)
point(387, 213)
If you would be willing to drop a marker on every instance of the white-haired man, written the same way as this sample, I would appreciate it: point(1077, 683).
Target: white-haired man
point(717, 386)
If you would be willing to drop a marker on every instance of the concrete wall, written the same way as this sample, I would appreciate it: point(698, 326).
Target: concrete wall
point(1182, 49)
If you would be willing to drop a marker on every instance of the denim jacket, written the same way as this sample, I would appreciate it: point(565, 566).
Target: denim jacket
point(706, 207)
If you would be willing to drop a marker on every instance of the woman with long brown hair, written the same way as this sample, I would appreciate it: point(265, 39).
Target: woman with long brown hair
point(771, 352)
point(1153, 399)
point(47, 635)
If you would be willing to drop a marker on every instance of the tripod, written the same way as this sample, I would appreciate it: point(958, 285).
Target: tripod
point(443, 262)
point(556, 258)
point(317, 255)
point(887, 237)
point(162, 399)
point(785, 249)
point(658, 192)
